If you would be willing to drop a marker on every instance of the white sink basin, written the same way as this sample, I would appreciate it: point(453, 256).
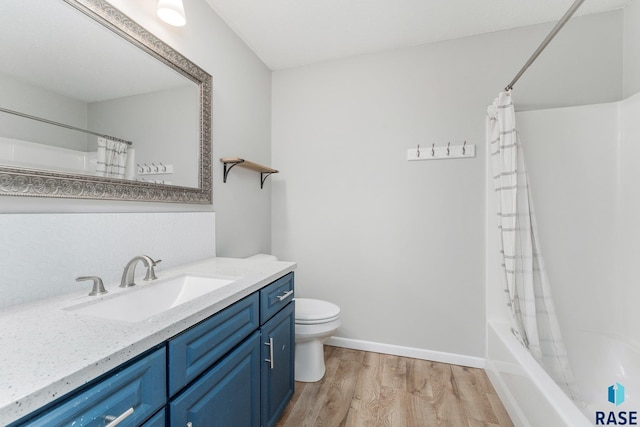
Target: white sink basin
point(149, 299)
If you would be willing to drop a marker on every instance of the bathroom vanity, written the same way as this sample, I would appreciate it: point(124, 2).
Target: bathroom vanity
point(224, 358)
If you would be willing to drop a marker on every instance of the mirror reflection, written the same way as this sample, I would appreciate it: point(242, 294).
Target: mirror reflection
point(77, 98)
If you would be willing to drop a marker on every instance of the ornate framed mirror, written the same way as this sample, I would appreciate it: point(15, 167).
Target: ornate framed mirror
point(75, 72)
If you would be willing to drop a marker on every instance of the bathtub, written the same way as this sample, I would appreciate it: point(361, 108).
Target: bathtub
point(533, 399)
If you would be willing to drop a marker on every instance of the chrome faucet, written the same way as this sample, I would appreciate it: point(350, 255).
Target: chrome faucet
point(128, 275)
point(98, 286)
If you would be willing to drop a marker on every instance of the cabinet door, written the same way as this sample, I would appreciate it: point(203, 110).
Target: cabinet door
point(228, 395)
point(157, 420)
point(277, 376)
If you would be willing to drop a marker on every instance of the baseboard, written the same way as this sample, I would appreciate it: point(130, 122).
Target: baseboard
point(416, 353)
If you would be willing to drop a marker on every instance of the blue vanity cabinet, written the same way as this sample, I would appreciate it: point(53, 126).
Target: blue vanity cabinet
point(227, 395)
point(233, 369)
point(252, 384)
point(277, 316)
point(195, 350)
point(277, 375)
point(158, 420)
point(275, 296)
point(134, 394)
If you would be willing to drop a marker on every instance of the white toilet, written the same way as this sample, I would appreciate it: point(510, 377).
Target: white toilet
point(316, 321)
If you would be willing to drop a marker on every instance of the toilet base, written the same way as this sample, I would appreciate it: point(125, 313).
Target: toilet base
point(309, 364)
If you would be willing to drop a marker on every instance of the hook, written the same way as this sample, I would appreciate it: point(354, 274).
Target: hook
point(418, 151)
point(148, 168)
point(140, 169)
point(448, 151)
point(433, 149)
point(464, 150)
point(164, 168)
point(156, 168)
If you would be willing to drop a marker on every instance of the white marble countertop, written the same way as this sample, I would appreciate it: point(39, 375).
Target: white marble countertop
point(46, 351)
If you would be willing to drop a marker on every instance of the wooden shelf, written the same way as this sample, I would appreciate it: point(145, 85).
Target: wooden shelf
point(230, 162)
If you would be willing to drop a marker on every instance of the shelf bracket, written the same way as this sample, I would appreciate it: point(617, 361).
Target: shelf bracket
point(230, 162)
point(263, 177)
point(227, 168)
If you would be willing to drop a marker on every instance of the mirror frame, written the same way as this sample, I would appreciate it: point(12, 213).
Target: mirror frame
point(41, 183)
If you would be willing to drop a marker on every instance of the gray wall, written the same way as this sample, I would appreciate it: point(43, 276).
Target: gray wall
point(632, 48)
point(32, 100)
point(163, 126)
point(241, 127)
point(400, 245)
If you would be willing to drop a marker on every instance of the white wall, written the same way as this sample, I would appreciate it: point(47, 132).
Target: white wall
point(241, 127)
point(631, 78)
point(628, 285)
point(42, 254)
point(571, 156)
point(398, 245)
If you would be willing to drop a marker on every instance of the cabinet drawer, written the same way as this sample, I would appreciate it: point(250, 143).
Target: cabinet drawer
point(226, 395)
point(140, 386)
point(275, 296)
point(194, 351)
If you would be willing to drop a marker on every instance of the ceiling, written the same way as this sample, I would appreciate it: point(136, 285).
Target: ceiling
point(290, 33)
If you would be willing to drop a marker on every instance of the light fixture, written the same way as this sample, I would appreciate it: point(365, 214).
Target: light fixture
point(172, 12)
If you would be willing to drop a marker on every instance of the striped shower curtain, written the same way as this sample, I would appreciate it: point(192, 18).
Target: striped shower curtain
point(533, 315)
point(111, 157)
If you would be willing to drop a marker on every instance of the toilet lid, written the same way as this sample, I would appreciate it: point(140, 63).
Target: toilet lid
point(314, 310)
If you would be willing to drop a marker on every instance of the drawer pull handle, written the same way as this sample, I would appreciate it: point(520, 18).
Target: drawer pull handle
point(114, 421)
point(285, 295)
point(270, 359)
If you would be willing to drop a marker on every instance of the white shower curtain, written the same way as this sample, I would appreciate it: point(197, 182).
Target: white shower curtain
point(111, 158)
point(534, 320)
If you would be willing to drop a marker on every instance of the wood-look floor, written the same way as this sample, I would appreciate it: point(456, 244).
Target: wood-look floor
point(363, 389)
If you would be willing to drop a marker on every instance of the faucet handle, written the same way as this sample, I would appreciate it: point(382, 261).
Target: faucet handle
point(151, 273)
point(98, 286)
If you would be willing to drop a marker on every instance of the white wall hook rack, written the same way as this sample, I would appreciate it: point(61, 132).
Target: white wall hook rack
point(154, 169)
point(440, 152)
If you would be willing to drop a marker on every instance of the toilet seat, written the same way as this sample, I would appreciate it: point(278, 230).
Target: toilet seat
point(312, 311)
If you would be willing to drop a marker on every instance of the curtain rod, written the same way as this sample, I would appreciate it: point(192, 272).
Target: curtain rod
point(546, 41)
point(51, 122)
